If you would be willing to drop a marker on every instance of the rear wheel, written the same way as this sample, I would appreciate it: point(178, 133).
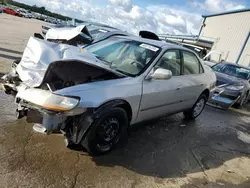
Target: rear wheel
point(198, 107)
point(107, 131)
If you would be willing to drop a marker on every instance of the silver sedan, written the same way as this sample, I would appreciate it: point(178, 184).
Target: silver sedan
point(94, 94)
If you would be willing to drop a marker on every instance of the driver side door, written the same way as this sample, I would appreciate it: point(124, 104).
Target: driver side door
point(162, 97)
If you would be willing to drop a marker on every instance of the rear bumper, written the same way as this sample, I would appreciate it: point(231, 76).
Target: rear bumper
point(224, 99)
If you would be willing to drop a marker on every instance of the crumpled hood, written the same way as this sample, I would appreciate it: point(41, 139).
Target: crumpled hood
point(39, 54)
point(229, 80)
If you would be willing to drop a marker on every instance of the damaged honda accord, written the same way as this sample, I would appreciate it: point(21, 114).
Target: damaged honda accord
point(94, 94)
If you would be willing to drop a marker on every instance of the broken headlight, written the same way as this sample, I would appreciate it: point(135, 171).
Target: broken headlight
point(60, 103)
point(235, 88)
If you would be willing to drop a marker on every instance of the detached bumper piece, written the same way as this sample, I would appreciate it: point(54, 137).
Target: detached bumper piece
point(223, 99)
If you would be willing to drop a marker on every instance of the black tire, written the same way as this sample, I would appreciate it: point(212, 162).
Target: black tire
point(97, 135)
point(190, 114)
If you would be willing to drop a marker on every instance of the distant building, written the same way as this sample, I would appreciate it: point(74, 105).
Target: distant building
point(230, 34)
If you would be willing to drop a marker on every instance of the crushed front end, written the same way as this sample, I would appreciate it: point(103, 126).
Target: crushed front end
point(44, 70)
point(223, 98)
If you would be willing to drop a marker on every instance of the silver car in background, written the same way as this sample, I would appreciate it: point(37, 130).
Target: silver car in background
point(83, 34)
point(94, 94)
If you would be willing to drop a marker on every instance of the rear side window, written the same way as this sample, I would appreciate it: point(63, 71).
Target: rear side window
point(191, 64)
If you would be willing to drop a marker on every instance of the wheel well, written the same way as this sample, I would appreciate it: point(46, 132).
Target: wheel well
point(127, 108)
point(121, 104)
point(206, 92)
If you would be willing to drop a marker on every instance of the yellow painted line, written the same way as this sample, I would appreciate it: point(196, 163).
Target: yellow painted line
point(242, 111)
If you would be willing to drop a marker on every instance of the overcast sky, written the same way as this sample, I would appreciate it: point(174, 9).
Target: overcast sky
point(160, 16)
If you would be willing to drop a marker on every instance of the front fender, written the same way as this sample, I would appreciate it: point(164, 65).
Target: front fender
point(95, 94)
point(80, 125)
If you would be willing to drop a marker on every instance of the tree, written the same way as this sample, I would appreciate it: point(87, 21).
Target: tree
point(42, 9)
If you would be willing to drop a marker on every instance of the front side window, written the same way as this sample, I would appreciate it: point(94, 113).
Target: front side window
point(171, 61)
point(127, 56)
point(191, 64)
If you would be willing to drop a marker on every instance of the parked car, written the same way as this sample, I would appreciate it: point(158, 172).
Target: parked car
point(94, 94)
point(25, 13)
point(82, 35)
point(232, 85)
point(12, 12)
point(51, 20)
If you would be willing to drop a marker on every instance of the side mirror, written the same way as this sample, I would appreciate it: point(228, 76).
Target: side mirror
point(160, 74)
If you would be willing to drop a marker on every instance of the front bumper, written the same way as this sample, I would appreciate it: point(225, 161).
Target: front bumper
point(222, 98)
point(30, 99)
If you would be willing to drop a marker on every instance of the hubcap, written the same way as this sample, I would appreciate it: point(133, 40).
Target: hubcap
point(108, 131)
point(199, 107)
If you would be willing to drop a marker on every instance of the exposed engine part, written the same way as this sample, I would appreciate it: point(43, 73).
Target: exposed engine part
point(21, 112)
point(11, 80)
point(66, 74)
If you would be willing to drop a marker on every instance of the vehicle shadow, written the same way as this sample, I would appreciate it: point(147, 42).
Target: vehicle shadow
point(11, 57)
point(10, 51)
point(173, 147)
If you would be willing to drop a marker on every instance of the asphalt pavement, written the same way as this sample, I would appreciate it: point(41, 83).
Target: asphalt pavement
point(211, 151)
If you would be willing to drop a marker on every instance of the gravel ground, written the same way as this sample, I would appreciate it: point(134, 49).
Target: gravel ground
point(212, 151)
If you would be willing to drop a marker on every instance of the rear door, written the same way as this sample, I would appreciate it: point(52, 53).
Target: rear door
point(192, 74)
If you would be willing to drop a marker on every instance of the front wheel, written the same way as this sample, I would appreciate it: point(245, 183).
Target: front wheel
point(107, 131)
point(198, 107)
point(243, 100)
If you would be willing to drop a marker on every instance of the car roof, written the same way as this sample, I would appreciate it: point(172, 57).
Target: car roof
point(237, 65)
point(158, 43)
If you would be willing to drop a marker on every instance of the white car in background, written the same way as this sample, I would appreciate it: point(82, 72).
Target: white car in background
point(25, 13)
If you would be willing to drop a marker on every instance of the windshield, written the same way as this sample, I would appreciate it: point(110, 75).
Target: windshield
point(232, 70)
point(124, 55)
point(97, 33)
